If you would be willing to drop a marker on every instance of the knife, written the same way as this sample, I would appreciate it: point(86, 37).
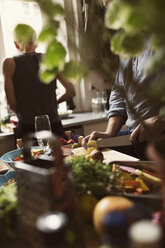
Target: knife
point(123, 140)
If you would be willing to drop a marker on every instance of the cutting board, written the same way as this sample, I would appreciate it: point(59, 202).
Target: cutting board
point(3, 167)
point(112, 155)
point(109, 155)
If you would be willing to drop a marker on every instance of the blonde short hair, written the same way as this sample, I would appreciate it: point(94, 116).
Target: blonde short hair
point(25, 36)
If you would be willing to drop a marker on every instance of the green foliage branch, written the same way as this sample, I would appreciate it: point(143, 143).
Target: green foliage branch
point(137, 23)
point(54, 59)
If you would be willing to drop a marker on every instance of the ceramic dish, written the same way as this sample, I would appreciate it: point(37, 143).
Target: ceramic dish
point(10, 156)
point(65, 114)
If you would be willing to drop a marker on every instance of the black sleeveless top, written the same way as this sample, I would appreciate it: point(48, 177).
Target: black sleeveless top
point(33, 97)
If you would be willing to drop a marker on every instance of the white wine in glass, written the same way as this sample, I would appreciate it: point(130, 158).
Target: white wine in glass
point(43, 129)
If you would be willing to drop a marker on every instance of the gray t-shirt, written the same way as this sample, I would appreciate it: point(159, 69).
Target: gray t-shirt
point(130, 92)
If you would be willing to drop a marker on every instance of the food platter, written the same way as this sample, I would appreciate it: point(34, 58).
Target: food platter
point(147, 165)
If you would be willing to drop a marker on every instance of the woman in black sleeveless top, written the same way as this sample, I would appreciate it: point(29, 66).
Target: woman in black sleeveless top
point(26, 95)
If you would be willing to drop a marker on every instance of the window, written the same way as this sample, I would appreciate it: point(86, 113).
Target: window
point(13, 12)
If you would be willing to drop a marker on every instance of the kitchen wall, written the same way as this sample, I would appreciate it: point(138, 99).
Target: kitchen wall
point(84, 92)
point(95, 80)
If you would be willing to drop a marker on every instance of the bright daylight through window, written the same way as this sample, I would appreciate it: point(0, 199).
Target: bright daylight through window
point(11, 13)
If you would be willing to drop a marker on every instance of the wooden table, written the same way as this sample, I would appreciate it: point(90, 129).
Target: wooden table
point(109, 156)
point(92, 240)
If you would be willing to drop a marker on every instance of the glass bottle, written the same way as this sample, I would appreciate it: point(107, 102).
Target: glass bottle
point(145, 234)
point(64, 192)
point(55, 230)
point(115, 230)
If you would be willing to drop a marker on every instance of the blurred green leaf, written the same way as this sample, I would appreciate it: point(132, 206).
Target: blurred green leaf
point(46, 76)
point(50, 8)
point(157, 40)
point(134, 19)
point(112, 17)
point(154, 14)
point(74, 70)
point(125, 15)
point(127, 45)
point(49, 32)
point(55, 55)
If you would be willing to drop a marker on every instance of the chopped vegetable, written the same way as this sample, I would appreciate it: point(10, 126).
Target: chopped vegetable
point(133, 184)
point(18, 159)
point(143, 185)
point(92, 143)
point(91, 175)
point(151, 181)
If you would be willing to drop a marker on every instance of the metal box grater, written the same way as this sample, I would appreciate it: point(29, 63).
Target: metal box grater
point(35, 196)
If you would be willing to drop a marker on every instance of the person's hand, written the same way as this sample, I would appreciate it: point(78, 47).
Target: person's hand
point(138, 134)
point(94, 136)
point(154, 125)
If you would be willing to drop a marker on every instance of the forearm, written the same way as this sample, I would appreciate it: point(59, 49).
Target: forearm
point(11, 101)
point(69, 90)
point(63, 97)
point(115, 123)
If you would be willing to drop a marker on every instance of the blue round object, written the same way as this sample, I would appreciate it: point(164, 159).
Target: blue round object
point(10, 156)
point(115, 225)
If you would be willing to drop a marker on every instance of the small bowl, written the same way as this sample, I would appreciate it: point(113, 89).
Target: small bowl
point(10, 156)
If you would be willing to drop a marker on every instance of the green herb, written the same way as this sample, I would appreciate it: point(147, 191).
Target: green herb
point(91, 175)
point(8, 204)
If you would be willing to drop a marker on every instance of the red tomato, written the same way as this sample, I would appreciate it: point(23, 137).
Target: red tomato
point(14, 119)
point(18, 159)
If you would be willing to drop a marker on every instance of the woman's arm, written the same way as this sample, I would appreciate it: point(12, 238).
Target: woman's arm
point(69, 89)
point(8, 68)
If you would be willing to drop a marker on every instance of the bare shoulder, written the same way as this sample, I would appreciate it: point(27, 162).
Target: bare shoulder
point(8, 65)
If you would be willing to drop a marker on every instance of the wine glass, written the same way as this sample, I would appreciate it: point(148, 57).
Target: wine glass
point(43, 130)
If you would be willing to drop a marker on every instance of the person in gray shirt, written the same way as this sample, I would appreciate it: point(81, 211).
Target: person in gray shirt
point(130, 104)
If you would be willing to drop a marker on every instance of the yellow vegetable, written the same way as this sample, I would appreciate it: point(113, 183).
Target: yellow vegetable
point(125, 176)
point(36, 150)
point(92, 143)
point(150, 180)
point(142, 184)
point(90, 149)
